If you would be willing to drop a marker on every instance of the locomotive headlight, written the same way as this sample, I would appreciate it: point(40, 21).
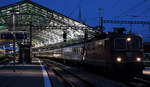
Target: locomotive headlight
point(119, 59)
point(128, 39)
point(138, 59)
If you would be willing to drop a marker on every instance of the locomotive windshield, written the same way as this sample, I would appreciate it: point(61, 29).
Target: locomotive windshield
point(127, 43)
point(120, 43)
point(135, 43)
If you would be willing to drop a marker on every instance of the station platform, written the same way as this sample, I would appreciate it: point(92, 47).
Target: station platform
point(25, 75)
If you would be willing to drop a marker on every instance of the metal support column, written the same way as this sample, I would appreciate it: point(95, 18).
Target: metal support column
point(30, 33)
point(101, 24)
point(30, 47)
point(14, 43)
point(85, 46)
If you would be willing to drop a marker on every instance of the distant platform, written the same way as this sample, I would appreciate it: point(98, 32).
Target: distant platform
point(146, 71)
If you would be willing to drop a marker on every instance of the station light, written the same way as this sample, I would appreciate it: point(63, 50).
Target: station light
point(128, 39)
point(138, 59)
point(119, 59)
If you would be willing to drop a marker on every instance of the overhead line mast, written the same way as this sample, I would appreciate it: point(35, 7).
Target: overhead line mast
point(133, 8)
point(126, 22)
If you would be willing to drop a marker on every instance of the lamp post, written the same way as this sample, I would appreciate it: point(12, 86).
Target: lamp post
point(14, 39)
point(14, 42)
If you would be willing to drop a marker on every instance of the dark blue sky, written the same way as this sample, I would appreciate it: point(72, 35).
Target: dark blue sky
point(90, 12)
point(112, 9)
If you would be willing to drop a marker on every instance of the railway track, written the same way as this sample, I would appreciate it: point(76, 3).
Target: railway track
point(73, 80)
point(4, 61)
point(68, 77)
point(138, 81)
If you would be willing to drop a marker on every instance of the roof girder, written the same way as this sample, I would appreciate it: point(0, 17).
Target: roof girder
point(41, 18)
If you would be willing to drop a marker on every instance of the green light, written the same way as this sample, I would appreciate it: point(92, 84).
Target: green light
point(3, 27)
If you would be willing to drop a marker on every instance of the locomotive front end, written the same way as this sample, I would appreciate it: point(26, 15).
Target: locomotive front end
point(127, 54)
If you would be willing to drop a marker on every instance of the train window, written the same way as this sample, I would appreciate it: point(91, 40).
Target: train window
point(135, 44)
point(94, 46)
point(88, 46)
point(91, 46)
point(77, 50)
point(120, 43)
point(107, 44)
point(81, 49)
point(73, 50)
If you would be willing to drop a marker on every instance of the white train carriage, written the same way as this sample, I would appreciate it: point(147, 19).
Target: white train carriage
point(73, 52)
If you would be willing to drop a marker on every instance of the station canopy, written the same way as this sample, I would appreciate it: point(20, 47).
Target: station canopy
point(45, 26)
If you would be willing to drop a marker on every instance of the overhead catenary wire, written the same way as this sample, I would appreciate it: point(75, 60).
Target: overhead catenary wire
point(146, 11)
point(133, 8)
point(76, 7)
point(115, 3)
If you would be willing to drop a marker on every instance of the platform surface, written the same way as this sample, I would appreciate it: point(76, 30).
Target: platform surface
point(26, 75)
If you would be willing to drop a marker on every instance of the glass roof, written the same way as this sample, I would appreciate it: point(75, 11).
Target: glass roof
point(47, 25)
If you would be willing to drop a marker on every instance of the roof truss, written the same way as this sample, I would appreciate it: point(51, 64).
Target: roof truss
point(47, 25)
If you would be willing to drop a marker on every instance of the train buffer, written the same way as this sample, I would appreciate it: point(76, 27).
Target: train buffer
point(26, 75)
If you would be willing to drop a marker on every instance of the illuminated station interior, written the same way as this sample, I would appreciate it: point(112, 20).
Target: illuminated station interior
point(44, 27)
point(40, 47)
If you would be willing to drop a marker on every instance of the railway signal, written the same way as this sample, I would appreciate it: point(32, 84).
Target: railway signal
point(65, 36)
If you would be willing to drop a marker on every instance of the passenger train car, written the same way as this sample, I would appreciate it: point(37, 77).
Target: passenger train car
point(113, 52)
